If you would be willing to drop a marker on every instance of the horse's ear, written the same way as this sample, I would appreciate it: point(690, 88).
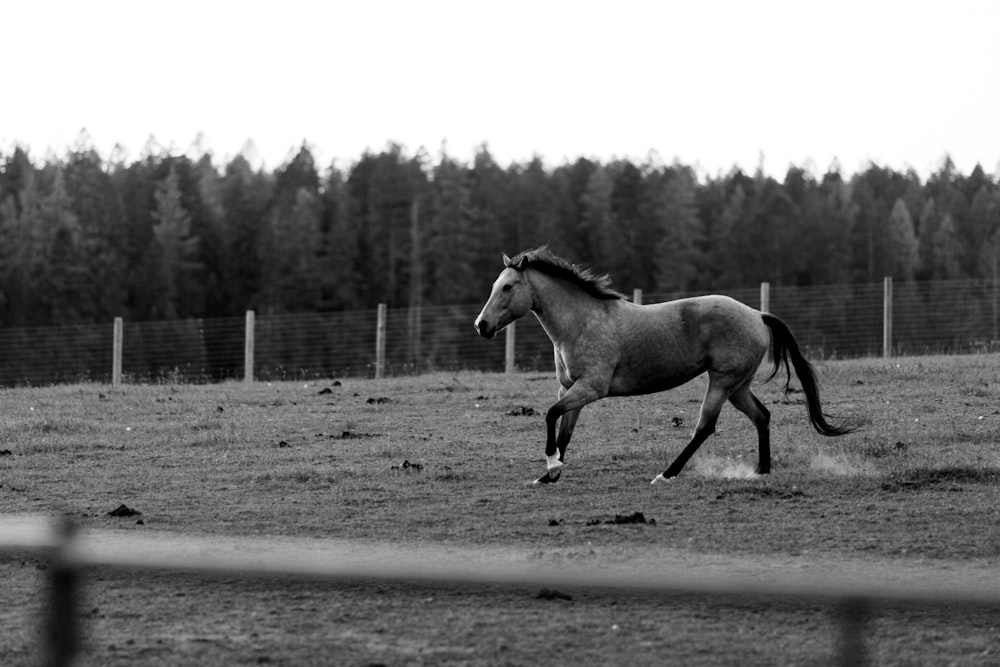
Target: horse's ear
point(511, 264)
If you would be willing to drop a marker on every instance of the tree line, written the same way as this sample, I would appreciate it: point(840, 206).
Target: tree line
point(165, 236)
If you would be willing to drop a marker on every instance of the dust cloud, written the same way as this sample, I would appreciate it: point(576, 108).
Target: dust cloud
point(714, 466)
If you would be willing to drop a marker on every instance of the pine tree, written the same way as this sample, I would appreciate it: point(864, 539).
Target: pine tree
point(984, 225)
point(339, 255)
point(58, 261)
point(943, 187)
point(570, 183)
point(724, 252)
point(873, 194)
point(902, 240)
point(678, 252)
point(246, 195)
point(745, 258)
point(175, 247)
point(597, 221)
point(289, 243)
point(534, 208)
point(297, 243)
point(451, 241)
point(624, 254)
point(835, 221)
point(491, 212)
point(384, 187)
point(207, 223)
point(945, 261)
point(99, 209)
point(18, 222)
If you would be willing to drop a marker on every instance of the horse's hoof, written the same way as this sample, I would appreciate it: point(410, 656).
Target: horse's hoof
point(546, 479)
point(660, 479)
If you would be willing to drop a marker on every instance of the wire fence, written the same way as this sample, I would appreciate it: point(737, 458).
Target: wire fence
point(834, 321)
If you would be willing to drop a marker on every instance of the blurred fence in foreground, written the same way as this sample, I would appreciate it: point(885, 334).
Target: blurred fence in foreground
point(838, 321)
point(855, 601)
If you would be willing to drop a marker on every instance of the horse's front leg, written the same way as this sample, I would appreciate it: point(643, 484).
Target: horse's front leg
point(566, 411)
point(555, 456)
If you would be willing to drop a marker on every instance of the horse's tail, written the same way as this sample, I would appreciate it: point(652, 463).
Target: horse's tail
point(786, 348)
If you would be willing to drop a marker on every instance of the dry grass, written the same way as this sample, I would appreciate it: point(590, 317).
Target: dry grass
point(919, 484)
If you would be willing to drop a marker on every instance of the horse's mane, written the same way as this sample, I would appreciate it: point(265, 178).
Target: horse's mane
point(544, 260)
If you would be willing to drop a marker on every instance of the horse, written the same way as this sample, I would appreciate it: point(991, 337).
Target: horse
point(605, 345)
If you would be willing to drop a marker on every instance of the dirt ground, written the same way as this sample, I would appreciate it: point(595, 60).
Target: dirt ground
point(438, 464)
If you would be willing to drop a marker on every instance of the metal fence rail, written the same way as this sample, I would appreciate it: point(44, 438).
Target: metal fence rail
point(854, 601)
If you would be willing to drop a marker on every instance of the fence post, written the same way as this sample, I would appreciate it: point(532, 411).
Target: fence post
point(116, 353)
point(380, 342)
point(61, 625)
point(854, 614)
point(637, 296)
point(248, 347)
point(765, 307)
point(887, 317)
point(510, 336)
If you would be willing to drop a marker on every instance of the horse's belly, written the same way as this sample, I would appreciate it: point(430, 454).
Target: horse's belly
point(650, 378)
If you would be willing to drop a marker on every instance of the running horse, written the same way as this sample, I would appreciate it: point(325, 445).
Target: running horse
point(607, 346)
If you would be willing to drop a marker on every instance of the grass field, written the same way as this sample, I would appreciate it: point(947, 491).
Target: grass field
point(444, 460)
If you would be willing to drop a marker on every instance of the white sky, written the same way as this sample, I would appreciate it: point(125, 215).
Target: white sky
point(712, 83)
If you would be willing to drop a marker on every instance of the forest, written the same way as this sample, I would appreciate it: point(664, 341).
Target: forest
point(85, 238)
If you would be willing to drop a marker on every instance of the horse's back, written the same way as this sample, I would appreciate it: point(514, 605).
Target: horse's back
point(716, 315)
point(713, 322)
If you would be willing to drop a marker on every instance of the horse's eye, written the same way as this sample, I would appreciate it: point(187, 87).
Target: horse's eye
point(508, 287)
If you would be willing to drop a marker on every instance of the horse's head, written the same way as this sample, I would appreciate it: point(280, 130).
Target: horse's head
point(510, 299)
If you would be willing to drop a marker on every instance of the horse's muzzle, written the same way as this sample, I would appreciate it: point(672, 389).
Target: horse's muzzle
point(483, 329)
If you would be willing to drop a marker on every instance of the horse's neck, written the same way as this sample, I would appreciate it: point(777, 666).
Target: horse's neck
point(562, 308)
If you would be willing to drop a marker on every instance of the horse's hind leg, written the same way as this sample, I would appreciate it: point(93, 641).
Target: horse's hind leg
point(744, 400)
point(711, 405)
